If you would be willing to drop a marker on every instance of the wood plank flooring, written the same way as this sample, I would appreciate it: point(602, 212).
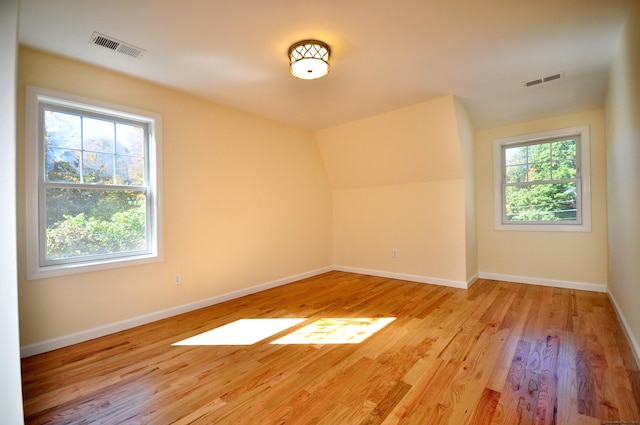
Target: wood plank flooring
point(498, 353)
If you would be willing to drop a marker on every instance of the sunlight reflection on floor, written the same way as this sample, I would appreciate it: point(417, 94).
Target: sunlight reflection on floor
point(336, 331)
point(323, 331)
point(242, 332)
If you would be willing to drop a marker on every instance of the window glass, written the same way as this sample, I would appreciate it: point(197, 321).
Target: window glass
point(97, 219)
point(90, 222)
point(540, 187)
point(541, 202)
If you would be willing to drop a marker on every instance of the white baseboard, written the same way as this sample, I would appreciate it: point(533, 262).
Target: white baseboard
point(635, 347)
point(593, 287)
point(409, 277)
point(64, 341)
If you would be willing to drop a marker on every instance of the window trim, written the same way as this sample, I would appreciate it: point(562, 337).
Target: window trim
point(33, 166)
point(585, 181)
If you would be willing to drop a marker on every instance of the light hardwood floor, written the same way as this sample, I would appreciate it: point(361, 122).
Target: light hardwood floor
point(498, 353)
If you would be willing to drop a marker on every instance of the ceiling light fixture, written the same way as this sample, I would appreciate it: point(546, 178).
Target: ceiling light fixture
point(309, 59)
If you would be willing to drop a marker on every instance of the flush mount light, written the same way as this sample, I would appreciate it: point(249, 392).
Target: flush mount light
point(309, 59)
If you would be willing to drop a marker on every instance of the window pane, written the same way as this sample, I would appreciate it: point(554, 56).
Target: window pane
point(81, 222)
point(539, 153)
point(62, 165)
point(541, 202)
point(517, 155)
point(539, 171)
point(129, 170)
point(517, 173)
point(564, 170)
point(98, 135)
point(61, 130)
point(97, 167)
point(565, 149)
point(129, 140)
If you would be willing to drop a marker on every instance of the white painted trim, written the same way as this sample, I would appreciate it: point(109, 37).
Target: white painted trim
point(593, 287)
point(472, 280)
point(626, 328)
point(64, 341)
point(402, 276)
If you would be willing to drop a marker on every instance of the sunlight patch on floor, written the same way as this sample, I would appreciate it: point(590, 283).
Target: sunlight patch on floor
point(241, 332)
point(336, 331)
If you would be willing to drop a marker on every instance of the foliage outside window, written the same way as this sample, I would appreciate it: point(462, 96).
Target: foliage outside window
point(97, 198)
point(542, 182)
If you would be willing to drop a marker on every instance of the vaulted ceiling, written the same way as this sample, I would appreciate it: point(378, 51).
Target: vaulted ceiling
point(386, 54)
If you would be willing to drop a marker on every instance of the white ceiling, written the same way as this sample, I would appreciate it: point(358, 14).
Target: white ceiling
point(386, 54)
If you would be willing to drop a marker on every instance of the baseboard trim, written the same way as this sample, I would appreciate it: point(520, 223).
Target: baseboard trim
point(64, 341)
point(626, 328)
point(593, 287)
point(409, 277)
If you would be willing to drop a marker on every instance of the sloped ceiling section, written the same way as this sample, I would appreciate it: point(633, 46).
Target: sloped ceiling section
point(386, 55)
point(410, 145)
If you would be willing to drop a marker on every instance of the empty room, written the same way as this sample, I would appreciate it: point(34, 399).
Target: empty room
point(293, 212)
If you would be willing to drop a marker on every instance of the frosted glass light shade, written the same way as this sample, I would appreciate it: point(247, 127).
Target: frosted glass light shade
point(309, 59)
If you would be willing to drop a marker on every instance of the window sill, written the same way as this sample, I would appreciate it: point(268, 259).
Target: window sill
point(544, 227)
point(37, 272)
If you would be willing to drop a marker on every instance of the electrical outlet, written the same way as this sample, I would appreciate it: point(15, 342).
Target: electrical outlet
point(177, 279)
point(394, 253)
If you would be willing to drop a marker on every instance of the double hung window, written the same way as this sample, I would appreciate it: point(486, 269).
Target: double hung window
point(542, 181)
point(92, 183)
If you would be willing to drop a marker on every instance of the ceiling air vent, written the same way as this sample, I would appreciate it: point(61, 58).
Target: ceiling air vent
point(533, 82)
point(551, 78)
point(116, 45)
point(546, 79)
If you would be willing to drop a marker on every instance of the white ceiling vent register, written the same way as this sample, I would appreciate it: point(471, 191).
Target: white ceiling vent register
point(546, 79)
point(116, 45)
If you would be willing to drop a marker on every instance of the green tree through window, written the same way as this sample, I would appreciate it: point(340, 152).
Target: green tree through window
point(95, 195)
point(93, 179)
point(541, 181)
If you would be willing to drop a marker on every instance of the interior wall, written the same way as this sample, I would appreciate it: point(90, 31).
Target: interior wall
point(10, 381)
point(560, 257)
point(399, 184)
point(246, 201)
point(424, 222)
point(467, 142)
point(623, 174)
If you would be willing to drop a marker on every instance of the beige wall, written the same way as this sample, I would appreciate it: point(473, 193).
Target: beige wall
point(577, 257)
point(246, 202)
point(623, 174)
point(425, 222)
point(398, 181)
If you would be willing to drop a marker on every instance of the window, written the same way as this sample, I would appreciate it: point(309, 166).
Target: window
point(541, 181)
point(92, 185)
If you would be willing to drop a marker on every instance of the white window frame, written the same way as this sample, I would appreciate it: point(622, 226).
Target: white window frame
point(584, 197)
point(34, 175)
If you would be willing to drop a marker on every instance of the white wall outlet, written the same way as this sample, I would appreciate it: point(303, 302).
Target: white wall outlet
point(177, 279)
point(394, 253)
